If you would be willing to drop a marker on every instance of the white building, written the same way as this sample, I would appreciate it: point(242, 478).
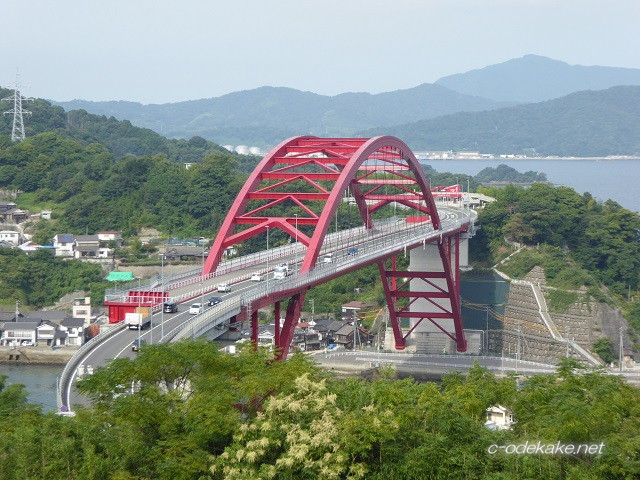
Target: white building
point(499, 418)
point(9, 236)
point(64, 245)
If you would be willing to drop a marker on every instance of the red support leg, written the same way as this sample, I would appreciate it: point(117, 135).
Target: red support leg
point(290, 322)
point(254, 329)
point(276, 328)
point(391, 305)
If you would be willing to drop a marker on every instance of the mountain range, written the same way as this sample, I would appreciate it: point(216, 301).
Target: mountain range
point(265, 116)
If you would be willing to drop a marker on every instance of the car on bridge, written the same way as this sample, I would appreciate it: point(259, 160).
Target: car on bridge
point(214, 301)
point(195, 309)
point(352, 251)
point(257, 277)
point(170, 307)
point(224, 287)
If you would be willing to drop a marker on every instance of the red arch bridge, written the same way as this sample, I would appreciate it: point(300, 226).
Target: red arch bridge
point(312, 210)
point(342, 203)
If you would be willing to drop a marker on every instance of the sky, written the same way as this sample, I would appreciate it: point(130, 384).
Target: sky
point(161, 51)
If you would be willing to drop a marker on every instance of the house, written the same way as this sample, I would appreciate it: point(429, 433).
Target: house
point(499, 418)
point(350, 310)
point(110, 236)
point(30, 247)
point(350, 337)
point(46, 333)
point(19, 333)
point(64, 244)
point(326, 329)
point(71, 332)
point(10, 237)
point(46, 214)
point(9, 213)
point(86, 246)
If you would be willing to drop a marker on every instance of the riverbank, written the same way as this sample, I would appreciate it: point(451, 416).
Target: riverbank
point(36, 355)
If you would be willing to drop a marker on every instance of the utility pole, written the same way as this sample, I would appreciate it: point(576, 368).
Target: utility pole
point(17, 131)
point(621, 329)
point(486, 336)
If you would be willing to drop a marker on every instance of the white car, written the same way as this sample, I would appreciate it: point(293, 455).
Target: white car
point(195, 309)
point(257, 277)
point(224, 287)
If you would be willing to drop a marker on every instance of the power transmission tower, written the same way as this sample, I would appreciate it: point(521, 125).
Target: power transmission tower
point(17, 132)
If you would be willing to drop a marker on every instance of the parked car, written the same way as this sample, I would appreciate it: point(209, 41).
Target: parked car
point(224, 287)
point(170, 307)
point(28, 343)
point(137, 344)
point(257, 277)
point(195, 309)
point(214, 301)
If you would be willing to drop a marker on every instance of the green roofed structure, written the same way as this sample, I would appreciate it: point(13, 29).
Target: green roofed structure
point(120, 277)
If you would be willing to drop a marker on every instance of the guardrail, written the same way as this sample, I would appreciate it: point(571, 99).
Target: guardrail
point(74, 361)
point(373, 245)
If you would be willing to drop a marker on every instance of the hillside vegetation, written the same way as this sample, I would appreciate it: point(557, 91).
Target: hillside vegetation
point(265, 116)
point(590, 123)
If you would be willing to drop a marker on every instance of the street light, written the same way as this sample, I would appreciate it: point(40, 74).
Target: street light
point(139, 313)
point(163, 292)
point(202, 277)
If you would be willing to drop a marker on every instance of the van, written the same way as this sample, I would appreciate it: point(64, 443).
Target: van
point(170, 307)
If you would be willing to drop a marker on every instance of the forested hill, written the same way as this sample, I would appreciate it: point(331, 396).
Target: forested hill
point(589, 123)
point(119, 137)
point(533, 78)
point(97, 173)
point(264, 116)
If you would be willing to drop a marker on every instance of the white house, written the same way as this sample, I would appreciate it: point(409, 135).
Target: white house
point(499, 418)
point(110, 236)
point(46, 333)
point(19, 333)
point(64, 244)
point(71, 332)
point(9, 236)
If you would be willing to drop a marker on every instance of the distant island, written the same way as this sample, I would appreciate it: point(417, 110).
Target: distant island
point(506, 174)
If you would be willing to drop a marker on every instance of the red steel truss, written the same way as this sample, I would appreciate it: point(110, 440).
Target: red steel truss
point(311, 176)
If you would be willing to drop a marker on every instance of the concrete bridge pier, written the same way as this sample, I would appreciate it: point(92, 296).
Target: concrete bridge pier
point(426, 337)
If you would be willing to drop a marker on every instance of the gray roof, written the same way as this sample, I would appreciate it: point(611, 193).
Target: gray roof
point(87, 238)
point(23, 325)
point(7, 316)
point(51, 315)
point(346, 330)
point(72, 322)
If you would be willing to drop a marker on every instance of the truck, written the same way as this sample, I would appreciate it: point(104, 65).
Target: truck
point(136, 320)
point(281, 271)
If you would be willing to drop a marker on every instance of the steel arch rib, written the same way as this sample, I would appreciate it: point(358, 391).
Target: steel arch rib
point(348, 175)
point(241, 201)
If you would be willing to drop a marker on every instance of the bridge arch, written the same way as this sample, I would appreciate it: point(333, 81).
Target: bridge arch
point(328, 167)
point(312, 176)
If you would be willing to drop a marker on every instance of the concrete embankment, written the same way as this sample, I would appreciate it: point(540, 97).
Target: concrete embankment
point(36, 355)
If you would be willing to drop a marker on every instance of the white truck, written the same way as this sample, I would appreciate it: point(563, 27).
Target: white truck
point(281, 271)
point(137, 321)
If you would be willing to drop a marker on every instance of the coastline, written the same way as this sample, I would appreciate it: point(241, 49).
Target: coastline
point(35, 355)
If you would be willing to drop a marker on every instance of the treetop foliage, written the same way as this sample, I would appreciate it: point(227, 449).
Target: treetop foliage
point(197, 414)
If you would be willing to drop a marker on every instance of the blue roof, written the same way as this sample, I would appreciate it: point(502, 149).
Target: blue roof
point(65, 237)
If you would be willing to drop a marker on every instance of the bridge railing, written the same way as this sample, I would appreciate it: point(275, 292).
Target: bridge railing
point(370, 245)
point(74, 361)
